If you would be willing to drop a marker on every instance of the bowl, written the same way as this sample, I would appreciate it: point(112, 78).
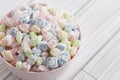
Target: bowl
point(50, 75)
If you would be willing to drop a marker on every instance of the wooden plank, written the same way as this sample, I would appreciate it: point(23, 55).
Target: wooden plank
point(76, 5)
point(83, 76)
point(113, 72)
point(105, 62)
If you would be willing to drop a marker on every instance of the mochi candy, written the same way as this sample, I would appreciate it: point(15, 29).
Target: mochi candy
point(2, 28)
point(25, 28)
point(73, 51)
point(7, 55)
point(8, 40)
point(35, 29)
point(26, 66)
point(18, 65)
point(55, 52)
point(2, 35)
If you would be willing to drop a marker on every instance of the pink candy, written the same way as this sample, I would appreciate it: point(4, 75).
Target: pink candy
point(25, 43)
point(26, 66)
point(8, 40)
point(52, 43)
point(24, 27)
point(40, 68)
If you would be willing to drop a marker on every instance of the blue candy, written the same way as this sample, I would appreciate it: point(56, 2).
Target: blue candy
point(44, 59)
point(32, 59)
point(41, 23)
point(25, 18)
point(32, 22)
point(52, 62)
point(13, 31)
point(63, 59)
point(69, 27)
point(21, 57)
point(36, 51)
point(61, 46)
point(26, 8)
point(43, 45)
point(2, 48)
point(25, 35)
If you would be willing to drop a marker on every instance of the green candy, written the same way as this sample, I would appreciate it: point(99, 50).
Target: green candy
point(68, 44)
point(66, 15)
point(18, 65)
point(62, 25)
point(28, 52)
point(75, 43)
point(34, 39)
point(39, 61)
point(51, 11)
point(2, 28)
point(19, 37)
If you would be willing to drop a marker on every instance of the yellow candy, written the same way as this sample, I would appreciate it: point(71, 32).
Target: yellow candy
point(51, 11)
point(35, 29)
point(55, 52)
point(19, 37)
point(7, 55)
point(66, 15)
point(2, 35)
point(2, 28)
point(62, 35)
point(73, 51)
point(75, 43)
point(68, 44)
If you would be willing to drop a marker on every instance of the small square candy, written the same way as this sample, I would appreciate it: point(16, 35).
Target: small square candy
point(75, 43)
point(52, 43)
point(42, 68)
point(35, 28)
point(73, 51)
point(43, 45)
point(62, 35)
point(61, 46)
point(2, 35)
point(18, 65)
point(52, 62)
point(25, 28)
point(2, 48)
point(28, 52)
point(55, 52)
point(26, 66)
point(26, 43)
point(67, 43)
point(7, 55)
point(13, 31)
point(8, 40)
point(41, 22)
point(19, 37)
point(35, 39)
point(2, 28)
point(69, 27)
point(36, 51)
point(63, 59)
point(39, 61)
point(22, 57)
point(31, 59)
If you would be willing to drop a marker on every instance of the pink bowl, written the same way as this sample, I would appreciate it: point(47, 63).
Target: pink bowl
point(50, 75)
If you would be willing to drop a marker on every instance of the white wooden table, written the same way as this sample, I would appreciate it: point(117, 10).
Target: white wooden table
point(99, 56)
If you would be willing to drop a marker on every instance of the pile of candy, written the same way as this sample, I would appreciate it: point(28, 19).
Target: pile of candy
point(38, 38)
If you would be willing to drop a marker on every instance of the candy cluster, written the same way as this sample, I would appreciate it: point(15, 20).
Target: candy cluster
point(38, 38)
